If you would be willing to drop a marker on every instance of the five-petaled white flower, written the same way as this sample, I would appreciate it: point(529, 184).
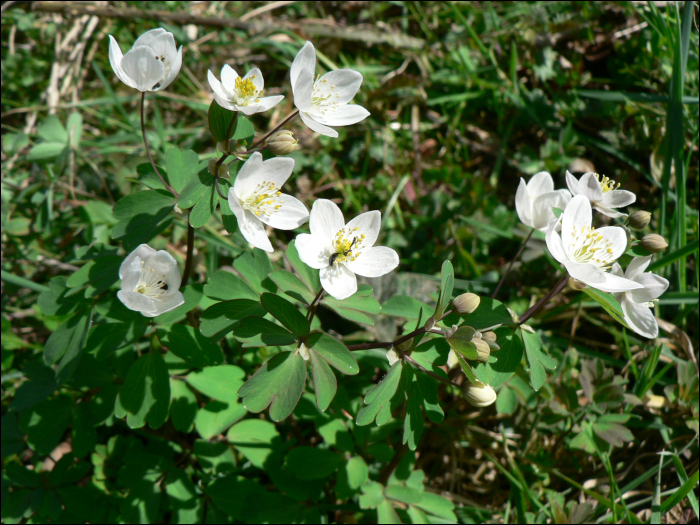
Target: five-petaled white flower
point(150, 282)
point(255, 199)
point(534, 201)
point(603, 194)
point(244, 94)
point(342, 250)
point(151, 65)
point(324, 102)
point(587, 252)
point(637, 304)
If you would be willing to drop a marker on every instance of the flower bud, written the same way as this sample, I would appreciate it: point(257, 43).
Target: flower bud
point(303, 351)
point(639, 219)
point(479, 394)
point(282, 143)
point(466, 303)
point(223, 169)
point(463, 341)
point(483, 351)
point(223, 146)
point(393, 357)
point(490, 338)
point(653, 243)
point(430, 323)
point(452, 359)
point(240, 151)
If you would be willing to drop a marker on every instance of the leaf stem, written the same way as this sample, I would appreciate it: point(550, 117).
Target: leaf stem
point(148, 147)
point(510, 266)
point(393, 344)
point(539, 304)
point(311, 309)
point(190, 254)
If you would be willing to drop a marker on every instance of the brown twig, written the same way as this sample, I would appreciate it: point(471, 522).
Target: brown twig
point(510, 266)
point(539, 304)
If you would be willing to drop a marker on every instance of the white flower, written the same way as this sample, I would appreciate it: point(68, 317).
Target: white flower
point(151, 65)
point(150, 282)
point(637, 304)
point(241, 94)
point(324, 102)
point(255, 199)
point(340, 251)
point(479, 394)
point(603, 194)
point(534, 201)
point(587, 252)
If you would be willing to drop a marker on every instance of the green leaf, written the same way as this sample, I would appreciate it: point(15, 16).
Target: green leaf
point(193, 296)
point(225, 286)
point(356, 307)
point(54, 301)
point(507, 358)
point(413, 423)
point(489, 313)
point(351, 476)
point(40, 384)
point(325, 384)
point(404, 306)
point(312, 462)
point(383, 398)
point(216, 416)
point(334, 352)
point(292, 286)
point(97, 274)
point(258, 331)
point(608, 302)
point(191, 346)
point(214, 458)
point(221, 318)
point(66, 343)
point(203, 210)
point(46, 150)
point(104, 339)
point(438, 506)
point(198, 187)
point(336, 434)
point(427, 388)
point(141, 228)
point(142, 204)
point(256, 439)
point(447, 284)
point(181, 166)
point(84, 433)
point(279, 383)
point(148, 176)
point(46, 422)
point(372, 495)
point(637, 251)
point(145, 394)
point(51, 130)
point(218, 382)
point(74, 128)
point(286, 313)
point(386, 513)
point(183, 406)
point(609, 429)
point(507, 401)
point(254, 268)
point(220, 120)
point(537, 359)
point(309, 276)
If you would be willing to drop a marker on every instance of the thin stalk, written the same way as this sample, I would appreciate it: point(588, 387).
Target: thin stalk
point(148, 147)
point(423, 369)
point(218, 188)
point(510, 266)
point(190, 254)
point(273, 130)
point(311, 309)
point(539, 304)
point(392, 344)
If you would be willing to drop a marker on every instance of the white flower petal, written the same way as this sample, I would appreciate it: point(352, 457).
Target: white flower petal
point(314, 250)
point(115, 59)
point(142, 252)
point(640, 318)
point(589, 274)
point(304, 62)
point(617, 236)
point(325, 219)
point(343, 116)
point(251, 227)
point(347, 83)
point(523, 204)
point(374, 262)
point(618, 198)
point(590, 187)
point(637, 266)
point(226, 103)
point(554, 244)
point(255, 75)
point(368, 223)
point(608, 211)
point(540, 183)
point(132, 274)
point(217, 87)
point(542, 209)
point(173, 72)
point(138, 302)
point(572, 183)
point(578, 214)
point(617, 270)
point(149, 38)
point(228, 78)
point(170, 303)
point(614, 284)
point(264, 104)
point(654, 286)
point(338, 281)
point(142, 67)
point(248, 178)
point(277, 170)
point(316, 126)
point(291, 214)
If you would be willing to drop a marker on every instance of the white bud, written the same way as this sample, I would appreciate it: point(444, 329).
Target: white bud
point(393, 357)
point(452, 359)
point(479, 394)
point(304, 352)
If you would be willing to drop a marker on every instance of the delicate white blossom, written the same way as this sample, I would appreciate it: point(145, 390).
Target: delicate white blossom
point(244, 94)
point(340, 251)
point(637, 304)
point(479, 394)
point(603, 194)
point(151, 65)
point(587, 252)
point(534, 201)
point(150, 282)
point(255, 198)
point(324, 102)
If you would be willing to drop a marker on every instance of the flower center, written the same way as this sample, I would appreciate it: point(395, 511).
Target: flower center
point(264, 200)
point(607, 184)
point(324, 96)
point(346, 245)
point(245, 90)
point(151, 284)
point(592, 248)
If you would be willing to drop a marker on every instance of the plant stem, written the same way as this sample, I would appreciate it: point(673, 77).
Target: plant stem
point(148, 148)
point(311, 309)
point(273, 130)
point(190, 254)
point(539, 304)
point(392, 344)
point(423, 369)
point(510, 266)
